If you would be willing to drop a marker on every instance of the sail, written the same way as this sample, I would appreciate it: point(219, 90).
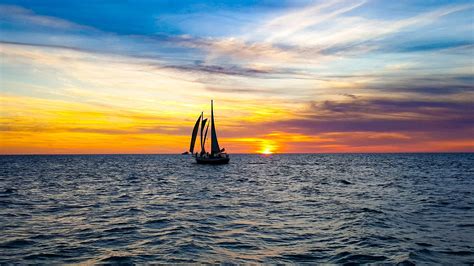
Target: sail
point(214, 144)
point(205, 137)
point(203, 124)
point(193, 137)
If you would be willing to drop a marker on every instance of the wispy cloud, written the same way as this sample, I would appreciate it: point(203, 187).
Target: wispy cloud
point(283, 28)
point(25, 16)
point(305, 36)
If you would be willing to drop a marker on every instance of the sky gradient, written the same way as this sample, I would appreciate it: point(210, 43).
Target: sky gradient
point(286, 76)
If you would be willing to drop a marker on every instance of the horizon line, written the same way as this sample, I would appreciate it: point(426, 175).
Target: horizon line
point(254, 153)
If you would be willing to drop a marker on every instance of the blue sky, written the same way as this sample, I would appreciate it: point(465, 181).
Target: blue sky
point(305, 62)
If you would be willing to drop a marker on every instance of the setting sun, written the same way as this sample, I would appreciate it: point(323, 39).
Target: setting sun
point(267, 149)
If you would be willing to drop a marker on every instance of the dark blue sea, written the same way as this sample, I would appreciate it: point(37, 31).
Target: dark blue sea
point(318, 208)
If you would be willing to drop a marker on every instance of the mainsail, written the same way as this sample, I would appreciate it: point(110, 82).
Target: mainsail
point(214, 144)
point(203, 124)
point(193, 138)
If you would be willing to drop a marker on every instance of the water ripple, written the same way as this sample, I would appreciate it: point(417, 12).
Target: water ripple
point(355, 208)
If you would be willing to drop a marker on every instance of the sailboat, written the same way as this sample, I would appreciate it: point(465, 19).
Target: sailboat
point(217, 155)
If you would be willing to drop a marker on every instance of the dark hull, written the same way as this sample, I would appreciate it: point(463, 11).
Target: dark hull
point(216, 160)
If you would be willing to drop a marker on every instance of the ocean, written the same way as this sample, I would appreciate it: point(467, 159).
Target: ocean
point(295, 208)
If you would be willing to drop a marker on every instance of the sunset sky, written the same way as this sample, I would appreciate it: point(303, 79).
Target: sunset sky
point(285, 76)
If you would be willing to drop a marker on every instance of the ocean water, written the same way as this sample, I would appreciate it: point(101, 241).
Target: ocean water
point(341, 208)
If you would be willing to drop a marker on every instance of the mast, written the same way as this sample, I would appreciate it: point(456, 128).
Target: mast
point(193, 136)
point(214, 144)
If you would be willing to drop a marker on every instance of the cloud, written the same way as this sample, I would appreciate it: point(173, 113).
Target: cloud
point(219, 69)
point(352, 96)
point(382, 115)
point(25, 16)
point(241, 50)
point(301, 37)
point(351, 33)
point(287, 25)
point(393, 106)
point(442, 84)
point(252, 91)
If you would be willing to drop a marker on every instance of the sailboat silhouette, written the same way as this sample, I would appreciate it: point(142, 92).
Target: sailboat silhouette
point(217, 155)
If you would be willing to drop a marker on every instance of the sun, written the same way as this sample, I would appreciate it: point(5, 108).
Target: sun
point(266, 151)
point(267, 148)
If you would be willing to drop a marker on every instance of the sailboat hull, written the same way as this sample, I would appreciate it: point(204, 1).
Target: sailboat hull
point(215, 160)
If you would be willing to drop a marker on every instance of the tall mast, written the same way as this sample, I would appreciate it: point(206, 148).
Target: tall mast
point(214, 143)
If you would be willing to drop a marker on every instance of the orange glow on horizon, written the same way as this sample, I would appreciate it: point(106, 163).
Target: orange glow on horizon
point(266, 151)
point(268, 147)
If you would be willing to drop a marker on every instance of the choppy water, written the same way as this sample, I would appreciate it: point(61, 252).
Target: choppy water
point(283, 208)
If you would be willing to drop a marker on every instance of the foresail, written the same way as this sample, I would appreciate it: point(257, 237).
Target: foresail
point(205, 137)
point(203, 124)
point(193, 137)
point(214, 143)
